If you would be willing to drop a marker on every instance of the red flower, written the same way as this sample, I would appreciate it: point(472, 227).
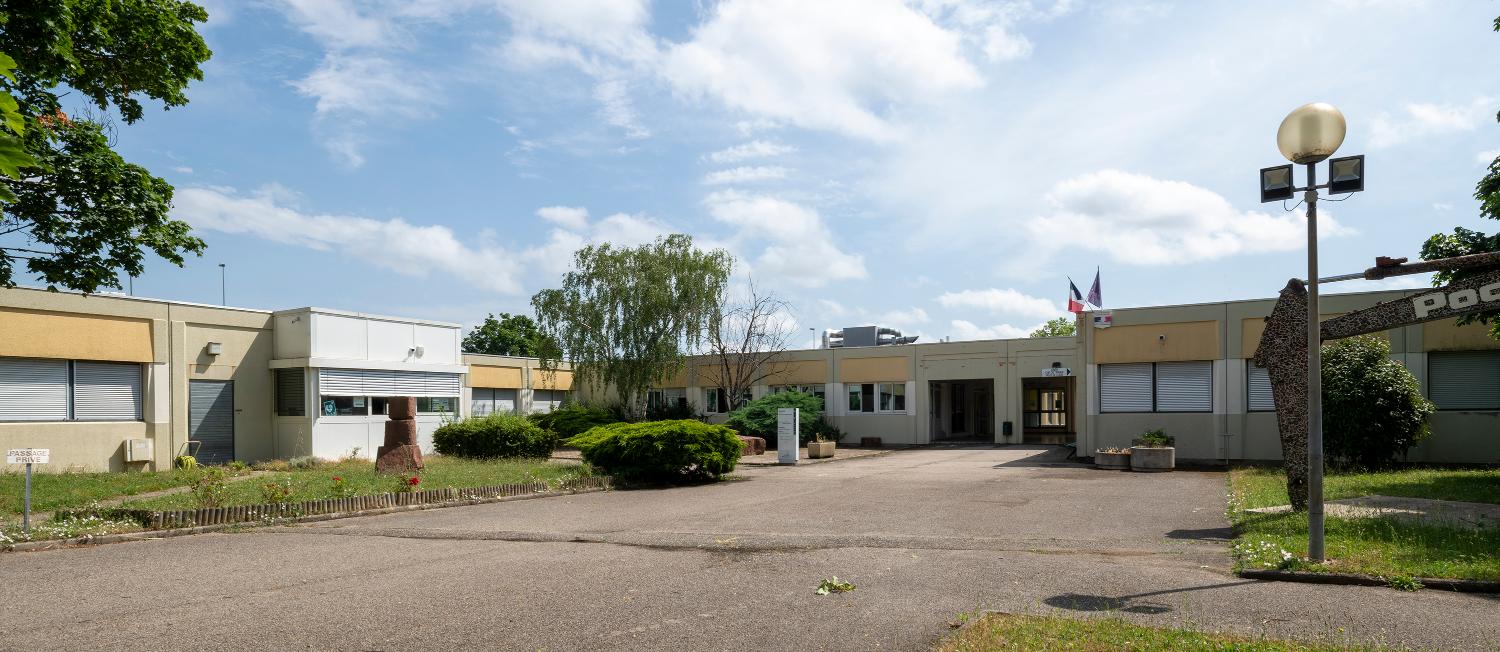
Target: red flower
point(414, 481)
point(337, 479)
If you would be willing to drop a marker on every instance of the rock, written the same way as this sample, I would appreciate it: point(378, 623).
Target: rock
point(753, 445)
point(401, 433)
point(399, 459)
point(401, 408)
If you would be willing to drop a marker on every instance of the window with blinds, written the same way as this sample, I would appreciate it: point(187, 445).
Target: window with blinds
point(106, 391)
point(1184, 387)
point(386, 382)
point(1258, 389)
point(489, 401)
point(1464, 380)
point(291, 393)
point(61, 390)
point(1125, 387)
point(33, 390)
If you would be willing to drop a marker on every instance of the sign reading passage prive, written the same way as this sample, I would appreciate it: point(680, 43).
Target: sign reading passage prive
point(27, 455)
point(788, 429)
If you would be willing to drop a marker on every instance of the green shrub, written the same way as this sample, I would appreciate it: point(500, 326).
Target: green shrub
point(495, 435)
point(661, 451)
point(1373, 409)
point(671, 412)
point(576, 418)
point(825, 431)
point(209, 486)
point(758, 417)
point(1156, 439)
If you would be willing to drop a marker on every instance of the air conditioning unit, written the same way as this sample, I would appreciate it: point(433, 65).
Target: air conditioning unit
point(138, 450)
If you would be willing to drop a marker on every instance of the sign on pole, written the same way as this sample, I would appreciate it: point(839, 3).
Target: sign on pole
point(27, 456)
point(788, 435)
point(1054, 372)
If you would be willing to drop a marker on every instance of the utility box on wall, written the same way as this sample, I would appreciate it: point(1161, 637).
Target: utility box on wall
point(138, 450)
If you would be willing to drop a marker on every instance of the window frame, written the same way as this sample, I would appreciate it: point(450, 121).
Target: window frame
point(1494, 406)
point(880, 395)
point(70, 393)
point(1249, 403)
point(1154, 390)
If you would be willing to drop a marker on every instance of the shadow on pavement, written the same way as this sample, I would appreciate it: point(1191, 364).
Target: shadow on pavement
point(1215, 534)
point(1126, 603)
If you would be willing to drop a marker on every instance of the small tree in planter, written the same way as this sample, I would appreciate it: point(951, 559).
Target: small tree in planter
point(1153, 451)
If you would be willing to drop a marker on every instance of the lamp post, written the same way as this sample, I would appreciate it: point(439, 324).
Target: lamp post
point(223, 286)
point(1309, 135)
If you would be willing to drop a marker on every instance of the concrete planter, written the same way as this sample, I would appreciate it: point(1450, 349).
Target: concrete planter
point(1112, 461)
point(1153, 460)
point(820, 449)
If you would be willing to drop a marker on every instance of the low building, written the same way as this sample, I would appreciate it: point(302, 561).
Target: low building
point(114, 383)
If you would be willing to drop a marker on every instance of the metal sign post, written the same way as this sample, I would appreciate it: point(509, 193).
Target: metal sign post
point(788, 435)
point(27, 456)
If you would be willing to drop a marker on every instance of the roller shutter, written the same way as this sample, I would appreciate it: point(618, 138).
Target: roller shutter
point(1184, 386)
point(1464, 380)
point(106, 391)
point(1125, 387)
point(1259, 387)
point(33, 390)
point(291, 393)
point(385, 382)
point(211, 419)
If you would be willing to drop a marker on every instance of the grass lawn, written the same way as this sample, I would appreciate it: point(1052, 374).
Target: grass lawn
point(53, 491)
point(1374, 546)
point(359, 479)
point(1012, 632)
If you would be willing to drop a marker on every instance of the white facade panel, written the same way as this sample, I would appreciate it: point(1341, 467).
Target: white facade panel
point(440, 344)
point(293, 335)
point(390, 341)
point(337, 336)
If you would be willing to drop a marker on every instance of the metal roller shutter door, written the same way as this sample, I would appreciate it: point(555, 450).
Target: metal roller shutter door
point(1464, 380)
point(1125, 387)
point(33, 390)
point(384, 382)
point(106, 391)
point(291, 392)
point(1259, 388)
point(1184, 386)
point(211, 419)
point(482, 402)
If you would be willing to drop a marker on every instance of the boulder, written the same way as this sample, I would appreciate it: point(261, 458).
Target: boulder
point(752, 445)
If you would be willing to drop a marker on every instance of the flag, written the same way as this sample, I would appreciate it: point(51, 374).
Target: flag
point(1075, 298)
point(1096, 298)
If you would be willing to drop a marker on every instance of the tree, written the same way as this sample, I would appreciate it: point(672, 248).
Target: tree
point(1464, 241)
point(625, 315)
point(745, 341)
point(77, 212)
point(516, 335)
point(1373, 408)
point(1060, 327)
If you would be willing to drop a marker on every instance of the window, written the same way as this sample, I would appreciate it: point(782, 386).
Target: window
point(344, 406)
point(435, 404)
point(1258, 388)
point(1156, 387)
point(379, 406)
point(489, 401)
point(666, 398)
point(815, 390)
point(547, 400)
point(714, 401)
point(892, 397)
point(1464, 380)
point(291, 389)
point(59, 390)
point(1045, 407)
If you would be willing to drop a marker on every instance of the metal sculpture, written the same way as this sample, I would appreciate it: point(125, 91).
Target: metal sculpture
point(1283, 346)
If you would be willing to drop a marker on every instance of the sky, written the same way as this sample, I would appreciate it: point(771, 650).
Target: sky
point(938, 166)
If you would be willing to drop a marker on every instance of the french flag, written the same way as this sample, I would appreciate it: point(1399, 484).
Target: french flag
point(1075, 298)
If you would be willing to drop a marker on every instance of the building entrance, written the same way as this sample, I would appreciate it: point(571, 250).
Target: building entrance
point(1047, 410)
point(962, 410)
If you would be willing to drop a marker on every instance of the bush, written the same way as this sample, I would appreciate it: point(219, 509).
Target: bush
point(825, 431)
point(758, 417)
point(661, 451)
point(495, 435)
point(1155, 439)
point(671, 412)
point(1373, 409)
point(576, 418)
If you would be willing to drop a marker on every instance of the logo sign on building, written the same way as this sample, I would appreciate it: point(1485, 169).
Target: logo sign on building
point(1053, 372)
point(788, 434)
point(1104, 319)
point(27, 455)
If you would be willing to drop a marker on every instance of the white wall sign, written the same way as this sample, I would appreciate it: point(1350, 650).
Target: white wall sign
point(1104, 319)
point(27, 455)
point(1053, 372)
point(788, 435)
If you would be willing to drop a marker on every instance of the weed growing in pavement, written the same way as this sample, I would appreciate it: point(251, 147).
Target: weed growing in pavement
point(1403, 583)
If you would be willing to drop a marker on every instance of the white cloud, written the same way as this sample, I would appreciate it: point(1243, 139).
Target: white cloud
point(835, 64)
point(355, 91)
point(744, 174)
point(799, 246)
point(752, 149)
point(903, 318)
point(1000, 301)
point(616, 108)
point(182, 169)
point(966, 330)
point(395, 244)
point(1145, 221)
point(337, 24)
point(575, 218)
point(1424, 119)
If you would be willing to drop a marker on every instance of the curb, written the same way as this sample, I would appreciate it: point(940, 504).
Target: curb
point(148, 535)
point(822, 460)
point(1359, 579)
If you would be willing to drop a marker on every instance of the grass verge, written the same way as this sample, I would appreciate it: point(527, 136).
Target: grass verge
point(54, 491)
point(1383, 547)
point(1014, 632)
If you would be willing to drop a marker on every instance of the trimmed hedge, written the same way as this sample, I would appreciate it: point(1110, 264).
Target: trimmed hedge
point(576, 418)
point(495, 435)
point(758, 417)
point(661, 451)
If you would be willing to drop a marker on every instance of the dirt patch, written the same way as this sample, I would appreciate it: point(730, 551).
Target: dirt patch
point(1425, 511)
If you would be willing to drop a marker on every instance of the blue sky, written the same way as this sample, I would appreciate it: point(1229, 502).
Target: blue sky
point(941, 166)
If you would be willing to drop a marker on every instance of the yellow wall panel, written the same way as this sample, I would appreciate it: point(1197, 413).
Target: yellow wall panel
point(1447, 335)
point(500, 377)
point(1197, 340)
point(868, 370)
point(551, 379)
point(36, 334)
point(798, 372)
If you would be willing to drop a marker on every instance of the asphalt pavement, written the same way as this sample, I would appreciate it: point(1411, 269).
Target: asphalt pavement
point(924, 534)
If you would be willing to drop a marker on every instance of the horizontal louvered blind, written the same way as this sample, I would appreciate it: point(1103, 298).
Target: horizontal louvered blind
point(1259, 388)
point(482, 402)
point(1464, 380)
point(385, 382)
point(106, 391)
point(291, 392)
point(33, 390)
point(1125, 387)
point(1184, 386)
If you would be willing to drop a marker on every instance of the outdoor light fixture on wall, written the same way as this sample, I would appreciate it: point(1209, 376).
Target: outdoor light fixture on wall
point(1307, 136)
point(214, 348)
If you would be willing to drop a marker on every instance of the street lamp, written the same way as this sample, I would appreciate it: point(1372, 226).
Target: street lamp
point(1308, 135)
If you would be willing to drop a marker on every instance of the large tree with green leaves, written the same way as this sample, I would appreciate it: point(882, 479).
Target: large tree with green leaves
point(74, 210)
point(1059, 327)
point(509, 335)
point(1464, 241)
point(625, 316)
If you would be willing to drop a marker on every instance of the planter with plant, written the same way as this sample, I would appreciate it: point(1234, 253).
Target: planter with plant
point(820, 447)
point(1112, 458)
point(1154, 451)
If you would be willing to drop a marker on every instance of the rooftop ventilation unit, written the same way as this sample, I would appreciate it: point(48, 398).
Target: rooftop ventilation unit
point(864, 336)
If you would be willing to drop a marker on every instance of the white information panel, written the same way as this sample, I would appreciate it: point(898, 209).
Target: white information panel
point(788, 428)
point(27, 455)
